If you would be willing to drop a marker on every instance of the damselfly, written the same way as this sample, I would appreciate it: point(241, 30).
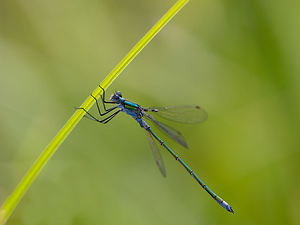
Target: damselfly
point(181, 114)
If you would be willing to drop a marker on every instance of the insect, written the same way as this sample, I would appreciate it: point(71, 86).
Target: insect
point(181, 114)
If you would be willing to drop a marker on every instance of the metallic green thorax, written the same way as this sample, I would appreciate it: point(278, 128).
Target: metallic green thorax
point(131, 106)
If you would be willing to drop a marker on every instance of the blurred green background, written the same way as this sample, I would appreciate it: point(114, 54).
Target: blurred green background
point(237, 59)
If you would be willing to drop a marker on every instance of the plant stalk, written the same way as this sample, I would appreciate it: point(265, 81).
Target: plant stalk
point(13, 200)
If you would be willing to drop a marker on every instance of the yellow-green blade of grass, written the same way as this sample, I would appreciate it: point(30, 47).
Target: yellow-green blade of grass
point(13, 200)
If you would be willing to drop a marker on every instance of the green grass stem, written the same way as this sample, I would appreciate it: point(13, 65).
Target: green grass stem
point(13, 200)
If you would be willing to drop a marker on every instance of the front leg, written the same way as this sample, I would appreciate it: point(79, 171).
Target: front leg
point(106, 110)
point(104, 121)
point(103, 98)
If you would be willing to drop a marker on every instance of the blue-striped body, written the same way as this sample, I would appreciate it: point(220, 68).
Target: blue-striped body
point(137, 113)
point(211, 193)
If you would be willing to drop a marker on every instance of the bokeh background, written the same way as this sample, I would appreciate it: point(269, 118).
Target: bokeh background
point(237, 59)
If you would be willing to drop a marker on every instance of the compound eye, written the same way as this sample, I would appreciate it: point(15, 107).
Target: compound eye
point(119, 93)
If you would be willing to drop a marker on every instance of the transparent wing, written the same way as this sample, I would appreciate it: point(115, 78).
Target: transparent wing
point(157, 156)
point(182, 114)
point(171, 132)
